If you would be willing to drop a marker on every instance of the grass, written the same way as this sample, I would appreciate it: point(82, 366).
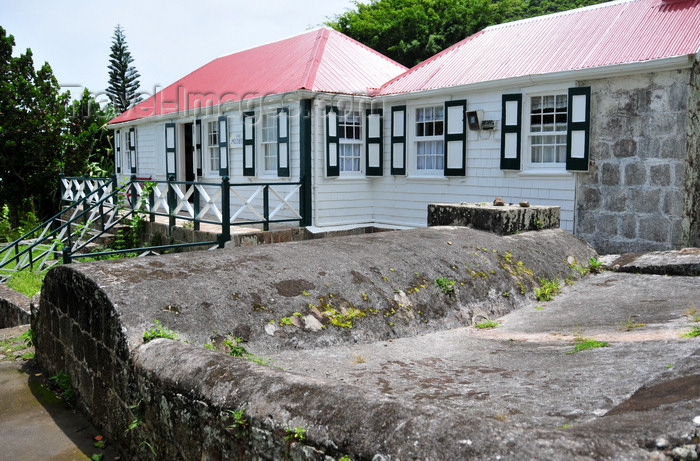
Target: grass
point(547, 289)
point(630, 324)
point(694, 332)
point(583, 344)
point(27, 282)
point(487, 324)
point(159, 331)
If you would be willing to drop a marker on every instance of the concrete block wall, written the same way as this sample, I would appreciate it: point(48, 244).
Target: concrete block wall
point(634, 198)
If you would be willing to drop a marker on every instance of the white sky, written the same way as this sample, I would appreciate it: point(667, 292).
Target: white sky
point(167, 39)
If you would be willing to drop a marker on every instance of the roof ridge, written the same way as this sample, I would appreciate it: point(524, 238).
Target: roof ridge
point(315, 59)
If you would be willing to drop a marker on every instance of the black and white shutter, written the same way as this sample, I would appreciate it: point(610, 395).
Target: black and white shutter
point(398, 140)
point(249, 144)
point(223, 145)
point(170, 153)
point(283, 142)
point(578, 129)
point(375, 157)
point(455, 138)
point(197, 138)
point(511, 131)
point(332, 142)
point(132, 150)
point(118, 150)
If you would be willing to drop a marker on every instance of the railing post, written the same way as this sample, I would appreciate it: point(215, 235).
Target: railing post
point(61, 177)
point(172, 202)
point(151, 204)
point(132, 191)
point(67, 256)
point(197, 206)
point(225, 210)
point(266, 207)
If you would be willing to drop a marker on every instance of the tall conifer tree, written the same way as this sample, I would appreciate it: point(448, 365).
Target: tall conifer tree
point(123, 77)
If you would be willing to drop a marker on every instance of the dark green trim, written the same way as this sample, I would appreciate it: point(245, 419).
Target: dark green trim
point(395, 139)
point(223, 145)
point(118, 151)
point(459, 137)
point(508, 127)
point(197, 135)
point(377, 170)
point(332, 170)
point(581, 163)
point(305, 160)
point(249, 140)
point(132, 149)
point(171, 169)
point(283, 141)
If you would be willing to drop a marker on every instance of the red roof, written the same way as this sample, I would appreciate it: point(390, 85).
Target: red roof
point(602, 35)
point(320, 60)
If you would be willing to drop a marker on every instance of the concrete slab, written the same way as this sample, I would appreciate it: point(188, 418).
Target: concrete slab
point(34, 424)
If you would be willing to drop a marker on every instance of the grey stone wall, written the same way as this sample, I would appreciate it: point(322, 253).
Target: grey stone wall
point(634, 198)
point(501, 220)
point(168, 400)
point(14, 308)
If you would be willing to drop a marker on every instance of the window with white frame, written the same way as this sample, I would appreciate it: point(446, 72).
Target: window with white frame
point(269, 143)
point(350, 141)
point(548, 125)
point(213, 145)
point(430, 155)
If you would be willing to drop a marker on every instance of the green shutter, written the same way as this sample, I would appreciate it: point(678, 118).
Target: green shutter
point(332, 142)
point(455, 138)
point(374, 149)
point(283, 142)
point(223, 145)
point(511, 131)
point(132, 150)
point(249, 144)
point(170, 151)
point(398, 140)
point(197, 141)
point(118, 151)
point(578, 129)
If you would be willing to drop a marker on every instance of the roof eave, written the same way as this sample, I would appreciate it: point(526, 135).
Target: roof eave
point(615, 70)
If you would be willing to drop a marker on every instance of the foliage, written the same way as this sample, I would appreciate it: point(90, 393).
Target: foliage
point(159, 331)
point(487, 324)
point(583, 344)
point(240, 423)
point(547, 289)
point(695, 331)
point(26, 282)
point(445, 285)
point(32, 121)
point(87, 148)
point(410, 31)
point(595, 265)
point(62, 385)
point(27, 221)
point(123, 77)
point(298, 434)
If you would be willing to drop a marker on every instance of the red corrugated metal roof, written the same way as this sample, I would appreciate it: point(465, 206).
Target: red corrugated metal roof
point(601, 35)
point(319, 60)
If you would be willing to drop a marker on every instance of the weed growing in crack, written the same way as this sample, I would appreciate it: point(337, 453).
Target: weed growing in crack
point(547, 289)
point(583, 344)
point(159, 331)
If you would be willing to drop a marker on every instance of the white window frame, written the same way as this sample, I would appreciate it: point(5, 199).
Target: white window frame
point(354, 144)
point(530, 164)
point(422, 140)
point(268, 143)
point(212, 138)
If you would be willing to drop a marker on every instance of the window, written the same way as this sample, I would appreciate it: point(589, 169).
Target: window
point(350, 141)
point(548, 126)
point(213, 145)
point(430, 155)
point(269, 143)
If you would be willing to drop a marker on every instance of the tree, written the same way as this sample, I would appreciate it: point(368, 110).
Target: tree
point(123, 77)
point(32, 122)
point(410, 31)
point(87, 148)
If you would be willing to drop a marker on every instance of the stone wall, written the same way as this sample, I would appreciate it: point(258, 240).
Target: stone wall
point(14, 308)
point(499, 219)
point(635, 197)
point(169, 400)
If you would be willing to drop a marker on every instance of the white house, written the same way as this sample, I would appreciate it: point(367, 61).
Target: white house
point(595, 110)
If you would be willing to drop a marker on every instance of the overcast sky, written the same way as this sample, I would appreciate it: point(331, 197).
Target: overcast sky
point(167, 39)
